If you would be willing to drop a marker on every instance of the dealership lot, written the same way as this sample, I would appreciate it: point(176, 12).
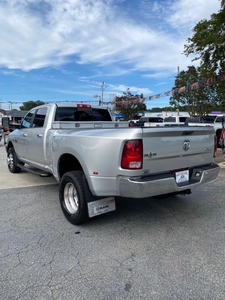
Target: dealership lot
point(152, 248)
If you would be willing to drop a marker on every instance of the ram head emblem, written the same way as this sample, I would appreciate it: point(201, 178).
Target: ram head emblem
point(186, 145)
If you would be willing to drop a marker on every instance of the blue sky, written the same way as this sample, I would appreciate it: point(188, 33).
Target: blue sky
point(54, 50)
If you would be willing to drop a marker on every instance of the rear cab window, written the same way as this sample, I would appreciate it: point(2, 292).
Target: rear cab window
point(81, 114)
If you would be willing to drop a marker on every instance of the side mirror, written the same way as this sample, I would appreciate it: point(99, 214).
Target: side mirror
point(5, 122)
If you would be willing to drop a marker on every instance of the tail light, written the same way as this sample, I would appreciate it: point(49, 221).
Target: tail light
point(215, 145)
point(132, 156)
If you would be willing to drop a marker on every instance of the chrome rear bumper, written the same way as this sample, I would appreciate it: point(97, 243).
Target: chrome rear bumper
point(153, 185)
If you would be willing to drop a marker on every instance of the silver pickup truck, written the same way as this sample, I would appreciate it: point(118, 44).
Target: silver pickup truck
point(95, 159)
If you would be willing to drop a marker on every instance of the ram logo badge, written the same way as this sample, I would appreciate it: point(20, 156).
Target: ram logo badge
point(186, 145)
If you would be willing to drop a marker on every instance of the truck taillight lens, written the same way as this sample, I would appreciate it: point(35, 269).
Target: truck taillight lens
point(215, 145)
point(132, 156)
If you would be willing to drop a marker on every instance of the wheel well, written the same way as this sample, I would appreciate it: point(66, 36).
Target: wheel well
point(10, 145)
point(67, 163)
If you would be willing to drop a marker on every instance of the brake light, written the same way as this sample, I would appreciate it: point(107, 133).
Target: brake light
point(215, 146)
point(132, 156)
point(84, 105)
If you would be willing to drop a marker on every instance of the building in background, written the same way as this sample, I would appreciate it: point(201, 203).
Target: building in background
point(15, 116)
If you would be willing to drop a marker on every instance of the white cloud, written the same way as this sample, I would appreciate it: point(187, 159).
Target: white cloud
point(120, 89)
point(186, 12)
point(37, 34)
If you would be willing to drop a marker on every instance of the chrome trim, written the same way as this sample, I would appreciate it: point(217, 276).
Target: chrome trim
point(142, 189)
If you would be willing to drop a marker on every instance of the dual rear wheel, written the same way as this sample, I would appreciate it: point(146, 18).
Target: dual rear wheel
point(72, 197)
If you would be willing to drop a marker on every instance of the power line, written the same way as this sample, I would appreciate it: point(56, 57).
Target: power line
point(9, 105)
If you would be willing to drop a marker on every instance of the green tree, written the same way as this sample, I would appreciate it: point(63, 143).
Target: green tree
point(208, 46)
point(208, 41)
point(30, 104)
point(196, 101)
point(129, 105)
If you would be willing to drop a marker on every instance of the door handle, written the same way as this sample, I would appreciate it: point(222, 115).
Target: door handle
point(25, 134)
point(39, 135)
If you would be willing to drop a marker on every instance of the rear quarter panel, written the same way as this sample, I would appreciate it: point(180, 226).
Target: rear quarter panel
point(97, 150)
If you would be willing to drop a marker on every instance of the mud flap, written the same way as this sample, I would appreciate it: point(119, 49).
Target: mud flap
point(101, 206)
point(97, 206)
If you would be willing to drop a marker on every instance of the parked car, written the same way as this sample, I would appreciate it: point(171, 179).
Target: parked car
point(141, 122)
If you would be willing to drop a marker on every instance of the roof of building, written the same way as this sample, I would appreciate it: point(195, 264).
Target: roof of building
point(2, 111)
point(16, 113)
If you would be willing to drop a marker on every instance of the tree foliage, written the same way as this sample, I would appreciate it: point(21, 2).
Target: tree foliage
point(208, 46)
point(129, 105)
point(208, 42)
point(31, 104)
point(197, 101)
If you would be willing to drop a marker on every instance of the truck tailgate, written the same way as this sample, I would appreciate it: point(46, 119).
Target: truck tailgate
point(177, 147)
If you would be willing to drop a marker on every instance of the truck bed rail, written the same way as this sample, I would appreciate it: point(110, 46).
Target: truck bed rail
point(88, 124)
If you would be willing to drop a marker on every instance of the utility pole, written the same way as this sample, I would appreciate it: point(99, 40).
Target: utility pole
point(100, 97)
point(102, 87)
point(178, 74)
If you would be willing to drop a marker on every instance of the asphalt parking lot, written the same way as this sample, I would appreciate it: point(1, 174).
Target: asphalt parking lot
point(170, 248)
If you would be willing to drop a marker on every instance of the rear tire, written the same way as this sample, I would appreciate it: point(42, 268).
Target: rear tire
point(12, 161)
point(72, 197)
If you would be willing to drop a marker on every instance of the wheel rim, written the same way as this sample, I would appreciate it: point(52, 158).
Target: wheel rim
point(10, 161)
point(71, 198)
